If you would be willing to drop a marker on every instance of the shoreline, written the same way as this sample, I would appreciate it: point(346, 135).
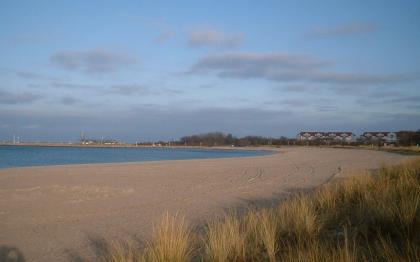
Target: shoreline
point(128, 146)
point(264, 151)
point(49, 211)
point(104, 164)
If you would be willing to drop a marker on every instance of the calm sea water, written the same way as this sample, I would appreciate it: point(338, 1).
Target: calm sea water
point(20, 156)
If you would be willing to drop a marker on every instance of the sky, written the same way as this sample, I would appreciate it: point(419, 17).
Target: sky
point(151, 70)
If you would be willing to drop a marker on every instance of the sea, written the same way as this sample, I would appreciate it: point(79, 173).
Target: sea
point(25, 156)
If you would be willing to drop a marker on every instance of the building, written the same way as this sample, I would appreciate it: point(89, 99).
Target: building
point(99, 142)
point(378, 137)
point(327, 136)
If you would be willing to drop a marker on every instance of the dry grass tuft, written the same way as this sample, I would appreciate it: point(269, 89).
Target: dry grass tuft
point(226, 240)
point(171, 241)
point(118, 251)
point(298, 221)
point(268, 232)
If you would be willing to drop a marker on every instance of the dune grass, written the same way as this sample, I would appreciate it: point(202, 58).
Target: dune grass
point(374, 217)
point(172, 241)
point(405, 150)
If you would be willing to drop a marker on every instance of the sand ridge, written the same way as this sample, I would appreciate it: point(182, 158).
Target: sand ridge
point(53, 213)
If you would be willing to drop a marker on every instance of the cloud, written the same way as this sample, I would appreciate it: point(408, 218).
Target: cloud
point(73, 86)
point(30, 75)
point(343, 30)
point(385, 93)
point(68, 100)
point(164, 36)
point(212, 37)
point(121, 89)
point(137, 89)
point(28, 39)
point(390, 98)
point(31, 126)
point(295, 103)
point(404, 99)
point(171, 91)
point(18, 98)
point(164, 31)
point(242, 64)
point(129, 89)
point(283, 67)
point(299, 88)
point(91, 61)
point(295, 88)
point(361, 78)
point(326, 108)
point(27, 75)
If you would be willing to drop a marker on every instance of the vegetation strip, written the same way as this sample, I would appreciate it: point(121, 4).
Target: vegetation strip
point(374, 217)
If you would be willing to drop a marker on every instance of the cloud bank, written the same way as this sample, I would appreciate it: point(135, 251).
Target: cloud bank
point(91, 61)
point(343, 30)
point(283, 67)
point(18, 98)
point(215, 38)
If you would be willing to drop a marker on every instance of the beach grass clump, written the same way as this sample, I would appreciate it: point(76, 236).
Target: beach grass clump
point(121, 251)
point(171, 241)
point(374, 216)
point(226, 239)
point(267, 231)
point(298, 220)
point(405, 150)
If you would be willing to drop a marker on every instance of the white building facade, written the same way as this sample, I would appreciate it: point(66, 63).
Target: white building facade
point(385, 137)
point(327, 136)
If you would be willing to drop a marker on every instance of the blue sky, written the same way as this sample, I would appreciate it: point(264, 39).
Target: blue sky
point(146, 70)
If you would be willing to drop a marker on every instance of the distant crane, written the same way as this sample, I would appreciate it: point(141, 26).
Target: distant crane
point(82, 137)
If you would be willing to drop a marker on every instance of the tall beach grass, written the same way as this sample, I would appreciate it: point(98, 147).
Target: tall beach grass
point(373, 217)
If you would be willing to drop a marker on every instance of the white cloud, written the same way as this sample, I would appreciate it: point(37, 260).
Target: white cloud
point(283, 67)
point(91, 61)
point(343, 30)
point(213, 37)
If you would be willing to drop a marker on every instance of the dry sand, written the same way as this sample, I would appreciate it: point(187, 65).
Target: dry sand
point(58, 213)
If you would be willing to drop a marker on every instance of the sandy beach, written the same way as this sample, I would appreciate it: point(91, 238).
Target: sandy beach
point(57, 213)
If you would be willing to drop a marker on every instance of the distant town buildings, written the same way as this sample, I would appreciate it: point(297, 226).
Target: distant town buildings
point(375, 137)
point(99, 142)
point(349, 137)
point(327, 136)
point(102, 141)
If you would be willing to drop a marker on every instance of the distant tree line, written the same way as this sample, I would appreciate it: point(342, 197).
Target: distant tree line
point(221, 139)
point(408, 138)
point(405, 138)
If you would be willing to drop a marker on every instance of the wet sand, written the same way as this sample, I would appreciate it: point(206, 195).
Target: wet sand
point(56, 213)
